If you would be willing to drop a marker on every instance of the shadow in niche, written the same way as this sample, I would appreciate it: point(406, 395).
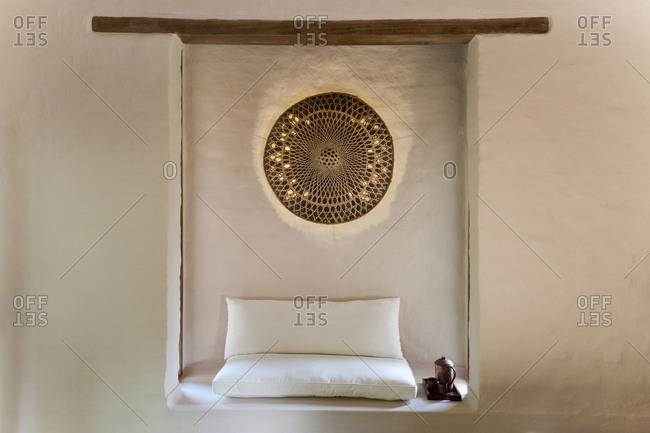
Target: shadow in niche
point(472, 179)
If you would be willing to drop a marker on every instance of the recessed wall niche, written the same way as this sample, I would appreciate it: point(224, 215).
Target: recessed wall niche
point(240, 240)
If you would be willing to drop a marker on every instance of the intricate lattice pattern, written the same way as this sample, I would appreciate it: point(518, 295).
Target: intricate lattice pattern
point(329, 158)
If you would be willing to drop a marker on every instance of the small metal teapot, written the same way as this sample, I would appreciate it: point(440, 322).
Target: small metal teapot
point(445, 371)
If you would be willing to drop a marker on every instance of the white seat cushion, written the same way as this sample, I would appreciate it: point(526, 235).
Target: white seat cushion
point(308, 375)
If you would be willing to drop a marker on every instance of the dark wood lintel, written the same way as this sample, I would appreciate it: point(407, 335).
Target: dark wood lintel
point(354, 32)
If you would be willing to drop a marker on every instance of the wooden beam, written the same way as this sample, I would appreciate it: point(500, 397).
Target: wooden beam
point(355, 32)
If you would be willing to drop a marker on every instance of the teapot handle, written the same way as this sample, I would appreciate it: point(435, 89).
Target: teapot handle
point(453, 378)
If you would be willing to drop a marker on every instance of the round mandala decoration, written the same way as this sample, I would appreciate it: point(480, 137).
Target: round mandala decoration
point(329, 158)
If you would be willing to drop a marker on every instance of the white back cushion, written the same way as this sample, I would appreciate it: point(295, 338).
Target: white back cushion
point(360, 327)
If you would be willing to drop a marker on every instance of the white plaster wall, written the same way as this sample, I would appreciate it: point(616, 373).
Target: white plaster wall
point(418, 256)
point(566, 167)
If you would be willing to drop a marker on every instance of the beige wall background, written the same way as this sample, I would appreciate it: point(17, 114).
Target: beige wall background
point(561, 165)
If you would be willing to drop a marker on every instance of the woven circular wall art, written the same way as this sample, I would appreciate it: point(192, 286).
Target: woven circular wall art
point(329, 158)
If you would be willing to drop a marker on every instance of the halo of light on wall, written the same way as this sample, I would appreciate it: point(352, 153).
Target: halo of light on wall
point(329, 158)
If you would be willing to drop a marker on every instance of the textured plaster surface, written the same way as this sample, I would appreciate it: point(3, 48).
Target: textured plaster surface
point(563, 163)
